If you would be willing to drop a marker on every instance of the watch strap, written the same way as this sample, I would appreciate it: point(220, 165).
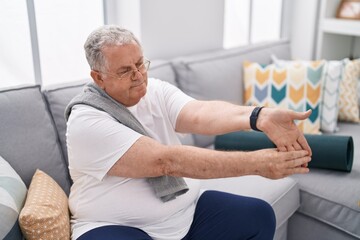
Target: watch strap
point(253, 118)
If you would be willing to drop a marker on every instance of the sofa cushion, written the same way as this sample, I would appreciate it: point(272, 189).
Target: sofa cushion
point(296, 86)
point(46, 213)
point(163, 70)
point(282, 194)
point(218, 75)
point(58, 96)
point(302, 227)
point(28, 138)
point(12, 198)
point(359, 92)
point(332, 197)
point(333, 75)
point(348, 102)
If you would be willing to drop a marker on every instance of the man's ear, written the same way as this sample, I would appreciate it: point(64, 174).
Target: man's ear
point(96, 76)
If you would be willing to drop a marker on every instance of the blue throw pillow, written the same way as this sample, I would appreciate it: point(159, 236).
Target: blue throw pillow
point(12, 198)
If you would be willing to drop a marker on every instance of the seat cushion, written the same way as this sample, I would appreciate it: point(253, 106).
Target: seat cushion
point(28, 138)
point(218, 75)
point(312, 229)
point(282, 194)
point(332, 197)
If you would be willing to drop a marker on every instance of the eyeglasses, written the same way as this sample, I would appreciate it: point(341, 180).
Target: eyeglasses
point(142, 68)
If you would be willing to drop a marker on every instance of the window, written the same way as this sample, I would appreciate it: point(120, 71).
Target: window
point(63, 26)
point(266, 20)
point(251, 21)
point(15, 45)
point(52, 31)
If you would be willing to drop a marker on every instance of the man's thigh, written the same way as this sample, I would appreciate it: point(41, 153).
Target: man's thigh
point(115, 233)
point(221, 215)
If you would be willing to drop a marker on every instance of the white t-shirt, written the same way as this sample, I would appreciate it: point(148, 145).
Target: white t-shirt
point(96, 141)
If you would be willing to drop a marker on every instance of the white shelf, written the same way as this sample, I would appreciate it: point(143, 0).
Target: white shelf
point(336, 38)
point(341, 26)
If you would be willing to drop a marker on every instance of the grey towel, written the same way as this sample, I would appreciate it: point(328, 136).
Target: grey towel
point(165, 187)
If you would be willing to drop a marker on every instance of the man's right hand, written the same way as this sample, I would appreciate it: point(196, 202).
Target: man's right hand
point(274, 164)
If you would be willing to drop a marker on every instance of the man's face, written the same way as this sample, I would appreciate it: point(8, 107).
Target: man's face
point(121, 80)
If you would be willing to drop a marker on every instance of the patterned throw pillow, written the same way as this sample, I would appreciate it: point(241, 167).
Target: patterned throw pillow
point(295, 86)
point(45, 214)
point(348, 102)
point(359, 91)
point(333, 75)
point(12, 198)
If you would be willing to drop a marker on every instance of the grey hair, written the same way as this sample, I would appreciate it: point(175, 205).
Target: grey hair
point(107, 35)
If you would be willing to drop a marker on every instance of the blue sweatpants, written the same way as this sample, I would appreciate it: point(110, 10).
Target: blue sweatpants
point(218, 216)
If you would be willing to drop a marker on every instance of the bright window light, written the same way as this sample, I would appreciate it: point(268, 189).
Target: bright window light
point(236, 23)
point(251, 21)
point(16, 65)
point(266, 20)
point(63, 26)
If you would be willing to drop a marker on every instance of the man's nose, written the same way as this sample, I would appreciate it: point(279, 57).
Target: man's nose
point(136, 74)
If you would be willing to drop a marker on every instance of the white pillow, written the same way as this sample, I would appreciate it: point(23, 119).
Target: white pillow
point(333, 75)
point(12, 198)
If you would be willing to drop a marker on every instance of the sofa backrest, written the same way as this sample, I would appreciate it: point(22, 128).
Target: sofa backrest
point(28, 138)
point(218, 75)
point(162, 70)
point(57, 97)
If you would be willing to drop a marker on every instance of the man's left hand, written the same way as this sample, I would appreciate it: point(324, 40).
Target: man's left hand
point(279, 126)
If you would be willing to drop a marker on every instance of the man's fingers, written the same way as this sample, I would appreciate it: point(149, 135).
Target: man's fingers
point(297, 166)
point(282, 149)
point(301, 115)
point(297, 146)
point(304, 144)
point(300, 170)
point(296, 154)
point(290, 148)
point(298, 162)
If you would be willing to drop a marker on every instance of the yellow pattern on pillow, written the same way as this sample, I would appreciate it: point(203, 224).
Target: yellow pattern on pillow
point(45, 214)
point(296, 86)
point(348, 101)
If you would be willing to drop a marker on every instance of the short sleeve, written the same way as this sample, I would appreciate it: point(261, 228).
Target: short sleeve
point(95, 141)
point(175, 100)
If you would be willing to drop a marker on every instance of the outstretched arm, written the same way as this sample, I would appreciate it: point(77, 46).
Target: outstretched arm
point(217, 117)
point(194, 162)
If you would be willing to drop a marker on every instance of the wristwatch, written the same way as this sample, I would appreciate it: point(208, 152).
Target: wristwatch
point(253, 118)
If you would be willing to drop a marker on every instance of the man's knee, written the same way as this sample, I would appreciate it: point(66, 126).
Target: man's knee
point(265, 216)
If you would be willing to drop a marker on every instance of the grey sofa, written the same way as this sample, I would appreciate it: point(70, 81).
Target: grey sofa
point(320, 205)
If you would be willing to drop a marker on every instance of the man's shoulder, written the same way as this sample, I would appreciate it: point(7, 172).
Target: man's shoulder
point(85, 111)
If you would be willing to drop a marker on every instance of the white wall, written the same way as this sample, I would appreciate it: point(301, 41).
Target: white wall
point(170, 28)
point(304, 28)
point(125, 13)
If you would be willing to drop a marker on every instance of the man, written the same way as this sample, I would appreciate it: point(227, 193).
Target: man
point(132, 177)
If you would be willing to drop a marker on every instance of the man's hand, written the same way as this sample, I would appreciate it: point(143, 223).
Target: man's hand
point(278, 125)
point(271, 163)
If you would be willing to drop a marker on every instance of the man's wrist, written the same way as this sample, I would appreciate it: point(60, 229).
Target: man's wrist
point(254, 118)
